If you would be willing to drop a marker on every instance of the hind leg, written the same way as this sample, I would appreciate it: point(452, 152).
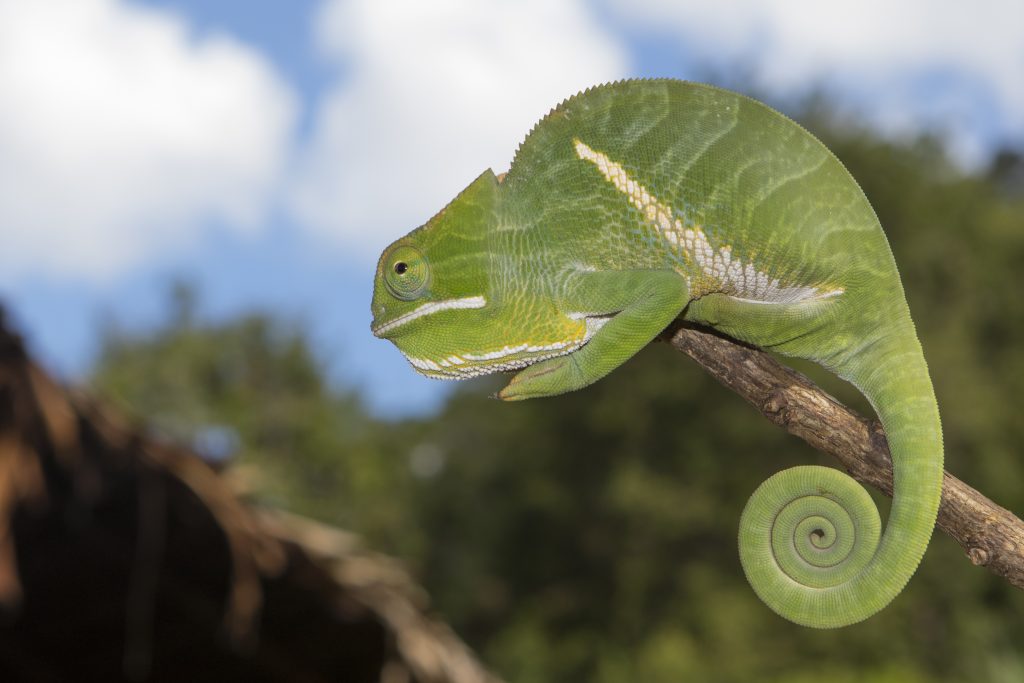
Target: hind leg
point(806, 329)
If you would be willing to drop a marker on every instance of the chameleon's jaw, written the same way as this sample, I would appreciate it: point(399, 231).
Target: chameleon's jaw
point(460, 360)
point(510, 358)
point(383, 329)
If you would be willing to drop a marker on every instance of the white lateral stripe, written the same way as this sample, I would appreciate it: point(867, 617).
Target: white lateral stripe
point(430, 308)
point(509, 350)
point(811, 295)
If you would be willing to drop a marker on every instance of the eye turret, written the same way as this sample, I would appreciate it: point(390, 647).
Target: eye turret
point(406, 273)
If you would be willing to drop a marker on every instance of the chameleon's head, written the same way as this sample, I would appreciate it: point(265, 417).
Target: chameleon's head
point(433, 294)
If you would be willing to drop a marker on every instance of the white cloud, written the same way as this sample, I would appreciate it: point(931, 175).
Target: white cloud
point(120, 133)
point(435, 93)
point(907, 63)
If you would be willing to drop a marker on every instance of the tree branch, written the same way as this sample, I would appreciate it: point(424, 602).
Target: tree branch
point(989, 534)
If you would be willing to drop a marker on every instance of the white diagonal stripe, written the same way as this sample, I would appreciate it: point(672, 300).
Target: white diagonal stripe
point(736, 279)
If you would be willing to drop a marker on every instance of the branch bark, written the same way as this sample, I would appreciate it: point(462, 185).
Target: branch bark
point(990, 535)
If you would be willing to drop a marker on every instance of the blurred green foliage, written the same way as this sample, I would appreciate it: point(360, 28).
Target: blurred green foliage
point(591, 537)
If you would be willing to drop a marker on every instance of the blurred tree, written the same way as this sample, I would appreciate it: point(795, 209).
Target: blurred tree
point(591, 537)
point(251, 391)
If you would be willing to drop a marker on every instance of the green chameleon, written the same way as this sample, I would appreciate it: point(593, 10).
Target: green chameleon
point(639, 202)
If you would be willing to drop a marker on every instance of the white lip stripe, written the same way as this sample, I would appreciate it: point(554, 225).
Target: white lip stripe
point(428, 309)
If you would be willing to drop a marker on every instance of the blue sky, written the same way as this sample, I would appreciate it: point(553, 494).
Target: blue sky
point(267, 151)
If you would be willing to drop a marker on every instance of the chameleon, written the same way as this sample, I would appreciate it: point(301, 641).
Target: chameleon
point(636, 203)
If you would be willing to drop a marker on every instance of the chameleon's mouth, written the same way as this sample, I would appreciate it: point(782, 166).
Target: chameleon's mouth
point(426, 309)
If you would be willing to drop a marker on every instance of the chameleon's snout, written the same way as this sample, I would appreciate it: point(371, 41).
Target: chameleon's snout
point(385, 319)
point(378, 327)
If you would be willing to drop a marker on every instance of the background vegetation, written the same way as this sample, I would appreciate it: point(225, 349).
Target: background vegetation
point(592, 537)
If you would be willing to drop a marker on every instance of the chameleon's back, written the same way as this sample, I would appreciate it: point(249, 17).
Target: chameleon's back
point(724, 165)
point(780, 249)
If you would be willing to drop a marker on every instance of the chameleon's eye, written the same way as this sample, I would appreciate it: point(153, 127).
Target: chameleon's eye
point(406, 273)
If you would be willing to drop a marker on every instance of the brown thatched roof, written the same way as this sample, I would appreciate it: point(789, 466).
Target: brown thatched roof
point(125, 557)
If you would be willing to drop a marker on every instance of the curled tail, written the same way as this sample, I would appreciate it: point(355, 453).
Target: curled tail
point(809, 536)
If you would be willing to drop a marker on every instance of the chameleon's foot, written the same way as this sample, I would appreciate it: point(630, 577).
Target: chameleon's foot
point(547, 378)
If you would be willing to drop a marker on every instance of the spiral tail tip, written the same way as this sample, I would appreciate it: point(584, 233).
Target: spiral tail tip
point(806, 536)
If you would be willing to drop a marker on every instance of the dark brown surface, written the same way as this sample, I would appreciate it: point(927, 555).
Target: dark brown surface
point(989, 534)
point(123, 557)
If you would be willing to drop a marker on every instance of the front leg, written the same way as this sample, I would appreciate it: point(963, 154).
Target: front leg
point(641, 304)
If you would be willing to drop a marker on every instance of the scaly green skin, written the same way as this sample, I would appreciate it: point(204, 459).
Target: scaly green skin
point(638, 202)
